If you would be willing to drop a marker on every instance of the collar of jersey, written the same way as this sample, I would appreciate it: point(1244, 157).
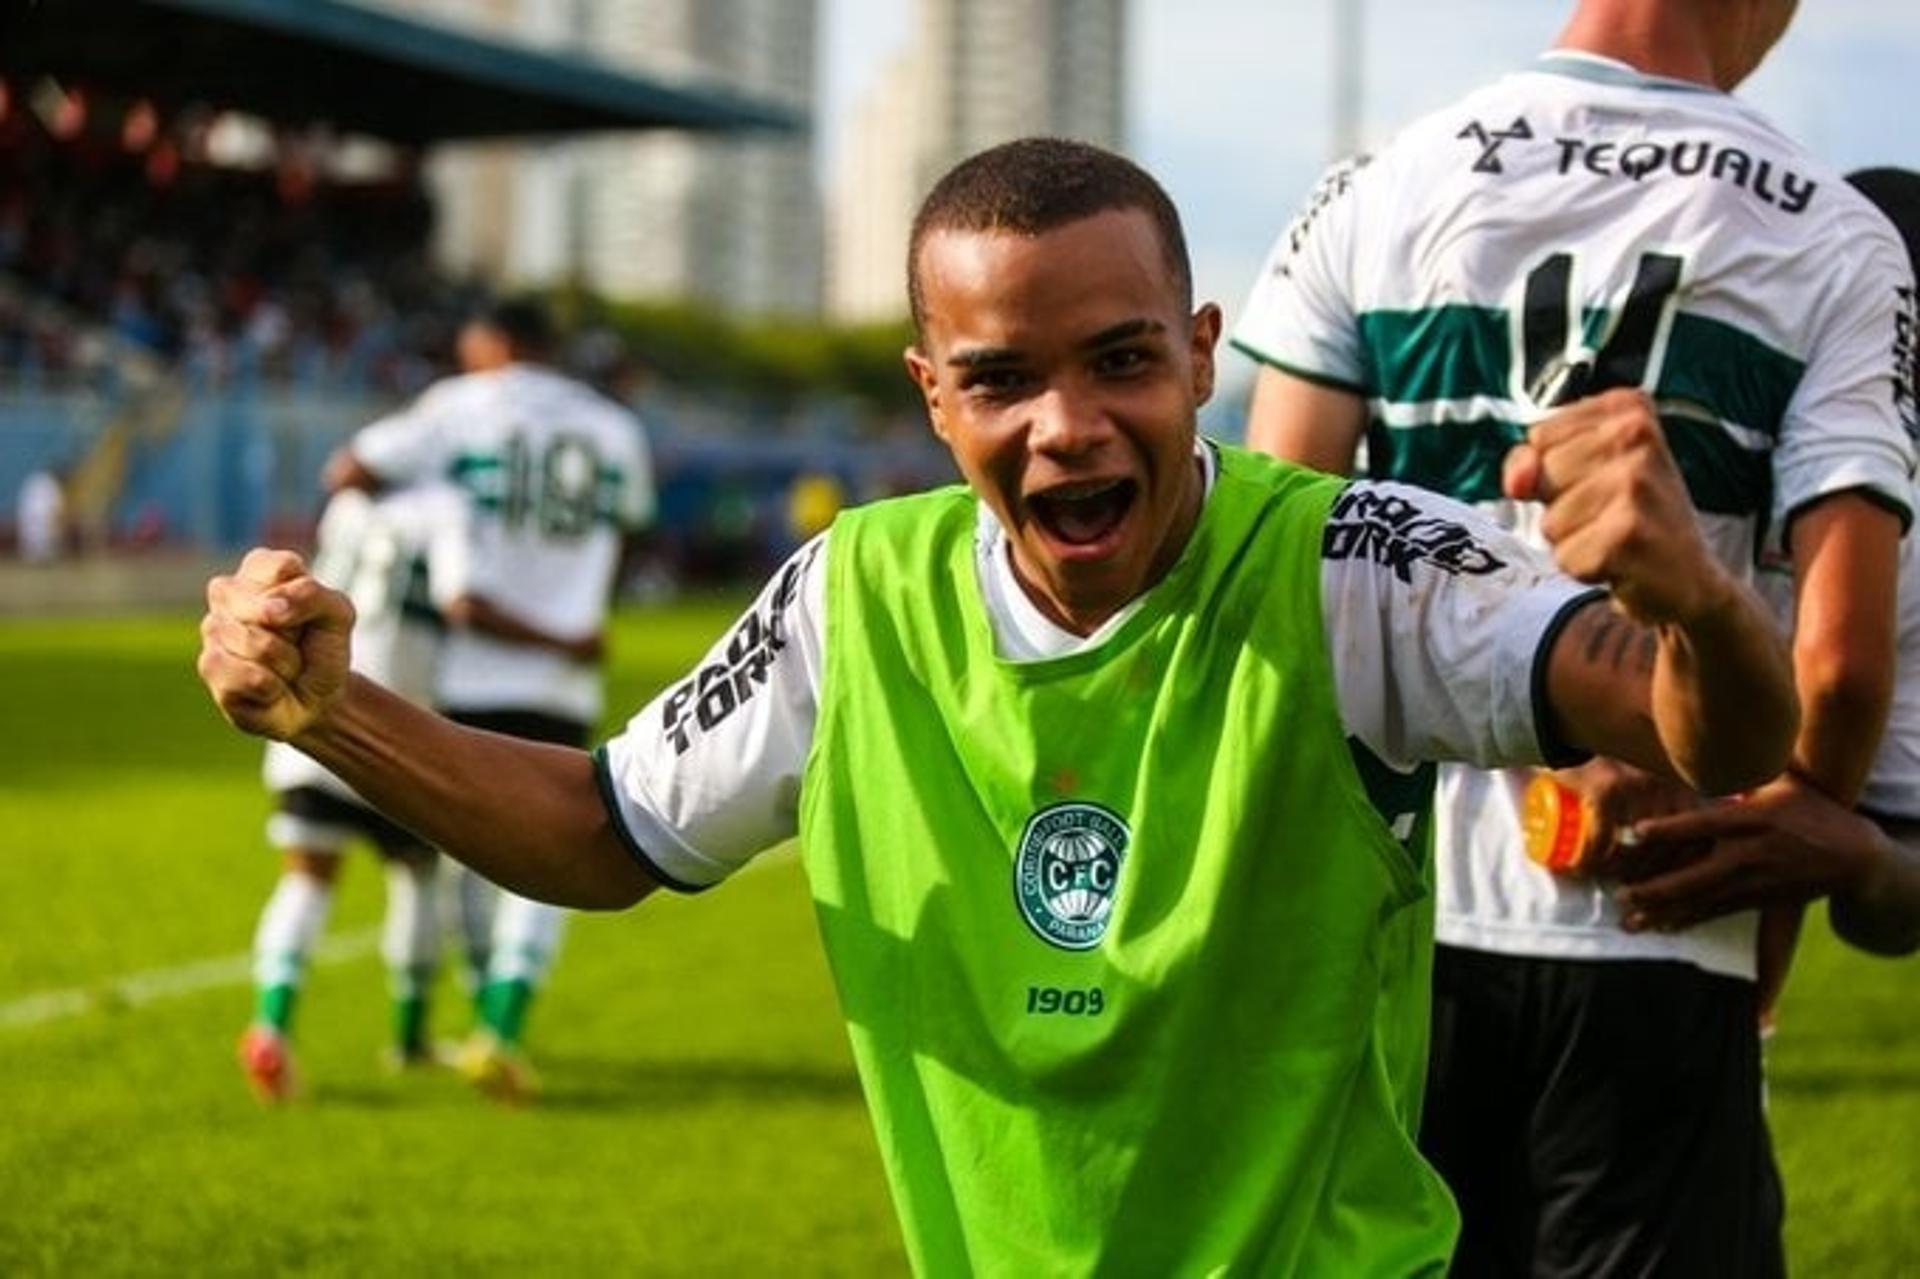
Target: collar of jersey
point(1027, 637)
point(1597, 69)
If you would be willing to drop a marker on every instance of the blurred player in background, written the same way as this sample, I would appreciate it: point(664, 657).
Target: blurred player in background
point(1612, 218)
point(1800, 846)
point(383, 552)
point(556, 478)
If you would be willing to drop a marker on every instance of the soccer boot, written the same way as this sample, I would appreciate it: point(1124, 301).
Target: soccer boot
point(267, 1062)
point(499, 1070)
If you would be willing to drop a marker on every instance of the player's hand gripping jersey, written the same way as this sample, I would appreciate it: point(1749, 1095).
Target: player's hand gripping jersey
point(1576, 227)
point(555, 474)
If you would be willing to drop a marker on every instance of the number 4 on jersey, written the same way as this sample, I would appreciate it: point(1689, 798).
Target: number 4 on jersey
point(1557, 366)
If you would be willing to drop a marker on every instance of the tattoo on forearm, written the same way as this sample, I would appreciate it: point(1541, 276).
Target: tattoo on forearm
point(1624, 645)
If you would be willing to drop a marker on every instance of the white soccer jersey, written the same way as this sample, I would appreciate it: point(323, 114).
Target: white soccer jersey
point(1893, 787)
point(556, 474)
point(1427, 663)
point(1567, 229)
point(395, 556)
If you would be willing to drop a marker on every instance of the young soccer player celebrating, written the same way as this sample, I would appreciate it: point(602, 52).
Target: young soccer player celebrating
point(1108, 768)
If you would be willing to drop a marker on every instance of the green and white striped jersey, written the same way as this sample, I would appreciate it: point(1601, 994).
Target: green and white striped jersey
point(1567, 229)
point(554, 474)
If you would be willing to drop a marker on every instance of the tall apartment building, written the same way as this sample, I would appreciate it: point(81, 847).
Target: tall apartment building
point(730, 220)
point(979, 72)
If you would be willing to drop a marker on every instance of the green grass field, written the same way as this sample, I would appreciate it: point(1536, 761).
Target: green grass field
point(701, 1114)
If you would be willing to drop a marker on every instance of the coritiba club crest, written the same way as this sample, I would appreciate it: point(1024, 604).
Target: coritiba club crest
point(1067, 870)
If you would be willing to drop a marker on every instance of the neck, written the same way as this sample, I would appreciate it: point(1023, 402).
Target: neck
point(1655, 37)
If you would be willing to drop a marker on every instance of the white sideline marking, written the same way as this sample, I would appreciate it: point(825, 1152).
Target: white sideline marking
point(153, 984)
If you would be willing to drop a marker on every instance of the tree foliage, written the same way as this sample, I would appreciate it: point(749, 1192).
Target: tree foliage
point(781, 360)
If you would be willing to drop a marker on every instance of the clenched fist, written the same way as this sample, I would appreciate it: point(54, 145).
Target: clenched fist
point(1617, 510)
point(274, 645)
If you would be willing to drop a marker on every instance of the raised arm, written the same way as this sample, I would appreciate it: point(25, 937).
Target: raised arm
point(1685, 673)
point(274, 647)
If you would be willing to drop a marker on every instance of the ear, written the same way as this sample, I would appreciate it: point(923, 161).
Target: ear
point(1205, 336)
point(927, 378)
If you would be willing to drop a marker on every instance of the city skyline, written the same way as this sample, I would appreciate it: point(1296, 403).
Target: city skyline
point(1230, 101)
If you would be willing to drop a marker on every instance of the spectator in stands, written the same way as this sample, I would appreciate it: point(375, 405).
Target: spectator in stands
point(41, 517)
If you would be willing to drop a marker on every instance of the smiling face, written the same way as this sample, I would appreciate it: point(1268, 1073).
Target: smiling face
point(1065, 374)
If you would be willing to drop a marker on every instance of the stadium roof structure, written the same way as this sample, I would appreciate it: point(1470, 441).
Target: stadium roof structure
point(361, 69)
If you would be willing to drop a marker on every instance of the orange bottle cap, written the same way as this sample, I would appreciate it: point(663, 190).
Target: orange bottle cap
point(1554, 819)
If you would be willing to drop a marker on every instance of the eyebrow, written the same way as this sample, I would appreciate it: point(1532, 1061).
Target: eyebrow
point(989, 356)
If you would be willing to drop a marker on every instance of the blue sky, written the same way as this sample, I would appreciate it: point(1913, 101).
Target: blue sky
point(1229, 100)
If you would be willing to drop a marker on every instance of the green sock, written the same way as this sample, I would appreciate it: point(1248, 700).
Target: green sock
point(409, 987)
point(503, 1008)
point(274, 1006)
point(410, 1025)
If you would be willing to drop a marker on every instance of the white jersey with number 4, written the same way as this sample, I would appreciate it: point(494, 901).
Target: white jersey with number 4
point(395, 556)
point(1567, 229)
point(555, 475)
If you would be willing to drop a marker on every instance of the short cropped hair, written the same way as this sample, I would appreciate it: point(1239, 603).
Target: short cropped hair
point(522, 320)
point(1896, 192)
point(1040, 184)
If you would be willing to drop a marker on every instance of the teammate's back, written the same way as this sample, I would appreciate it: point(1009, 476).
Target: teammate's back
point(1573, 227)
point(1611, 218)
point(556, 474)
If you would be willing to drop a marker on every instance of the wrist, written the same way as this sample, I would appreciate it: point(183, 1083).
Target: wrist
point(323, 725)
point(1716, 602)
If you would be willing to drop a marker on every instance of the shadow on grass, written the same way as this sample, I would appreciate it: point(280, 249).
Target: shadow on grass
point(605, 1083)
point(363, 1097)
point(610, 1085)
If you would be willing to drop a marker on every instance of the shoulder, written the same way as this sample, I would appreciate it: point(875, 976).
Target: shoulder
point(1407, 530)
point(590, 404)
point(460, 388)
point(1858, 223)
point(914, 534)
point(1492, 110)
point(1272, 478)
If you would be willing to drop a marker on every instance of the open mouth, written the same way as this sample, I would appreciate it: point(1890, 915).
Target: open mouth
point(1082, 514)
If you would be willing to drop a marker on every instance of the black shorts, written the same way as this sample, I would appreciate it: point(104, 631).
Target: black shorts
point(1601, 1119)
point(534, 726)
point(311, 804)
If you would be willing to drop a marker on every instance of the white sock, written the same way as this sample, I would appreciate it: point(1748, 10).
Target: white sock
point(291, 921)
point(526, 936)
point(410, 935)
point(471, 899)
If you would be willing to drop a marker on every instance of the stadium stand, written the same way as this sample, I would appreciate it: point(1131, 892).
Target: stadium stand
point(183, 336)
